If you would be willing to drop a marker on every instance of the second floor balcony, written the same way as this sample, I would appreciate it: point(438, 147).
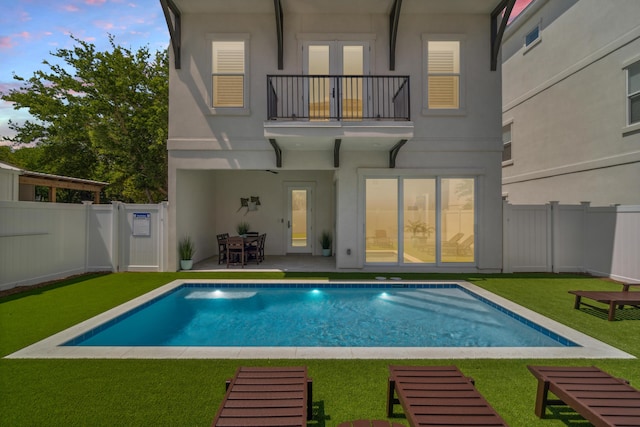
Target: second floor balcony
point(334, 113)
point(338, 98)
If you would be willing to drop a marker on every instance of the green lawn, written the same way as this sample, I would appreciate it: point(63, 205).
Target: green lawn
point(188, 392)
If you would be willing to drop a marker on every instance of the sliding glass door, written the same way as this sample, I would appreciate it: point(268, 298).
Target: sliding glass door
point(419, 220)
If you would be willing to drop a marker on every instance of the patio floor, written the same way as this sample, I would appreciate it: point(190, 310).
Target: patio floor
point(291, 262)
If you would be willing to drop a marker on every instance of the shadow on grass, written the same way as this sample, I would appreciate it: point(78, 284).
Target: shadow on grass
point(27, 291)
point(627, 313)
point(566, 415)
point(319, 417)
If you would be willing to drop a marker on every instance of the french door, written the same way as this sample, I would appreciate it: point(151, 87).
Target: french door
point(299, 223)
point(333, 97)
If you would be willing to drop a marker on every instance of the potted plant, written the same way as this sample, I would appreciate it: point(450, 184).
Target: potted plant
point(416, 227)
point(186, 249)
point(326, 241)
point(242, 228)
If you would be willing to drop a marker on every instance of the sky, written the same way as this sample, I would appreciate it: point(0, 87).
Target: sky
point(31, 29)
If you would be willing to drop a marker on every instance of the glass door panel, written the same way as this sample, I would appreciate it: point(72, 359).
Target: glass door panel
point(299, 236)
point(381, 232)
point(343, 95)
point(419, 212)
point(299, 218)
point(319, 88)
point(457, 220)
point(352, 85)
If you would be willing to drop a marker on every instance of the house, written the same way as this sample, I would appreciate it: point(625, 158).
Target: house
point(20, 185)
point(375, 120)
point(571, 103)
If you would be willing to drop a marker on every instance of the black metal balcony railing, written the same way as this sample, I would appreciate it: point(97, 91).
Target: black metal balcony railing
point(338, 97)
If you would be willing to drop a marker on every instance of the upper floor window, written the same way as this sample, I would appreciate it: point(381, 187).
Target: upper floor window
point(532, 36)
point(506, 143)
point(229, 73)
point(443, 74)
point(443, 64)
point(633, 93)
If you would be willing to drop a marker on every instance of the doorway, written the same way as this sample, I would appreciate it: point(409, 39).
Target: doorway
point(300, 217)
point(330, 96)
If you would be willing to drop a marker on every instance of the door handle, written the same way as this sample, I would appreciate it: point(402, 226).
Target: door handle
point(288, 224)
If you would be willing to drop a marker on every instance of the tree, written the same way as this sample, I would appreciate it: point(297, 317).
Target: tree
point(100, 116)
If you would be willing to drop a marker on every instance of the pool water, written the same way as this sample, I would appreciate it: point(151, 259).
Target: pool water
point(448, 316)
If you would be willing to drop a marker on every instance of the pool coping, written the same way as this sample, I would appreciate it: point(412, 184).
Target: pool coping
point(52, 347)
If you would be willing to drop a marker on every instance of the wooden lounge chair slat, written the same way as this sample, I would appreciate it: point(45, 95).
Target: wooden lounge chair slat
point(456, 419)
point(449, 401)
point(260, 412)
point(448, 393)
point(266, 397)
point(259, 422)
point(447, 409)
point(369, 423)
point(600, 404)
point(264, 403)
point(438, 395)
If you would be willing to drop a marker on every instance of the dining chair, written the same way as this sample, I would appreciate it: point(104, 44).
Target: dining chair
point(235, 251)
point(222, 247)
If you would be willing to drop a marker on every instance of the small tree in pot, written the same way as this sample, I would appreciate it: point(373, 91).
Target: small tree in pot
point(186, 249)
point(242, 228)
point(326, 241)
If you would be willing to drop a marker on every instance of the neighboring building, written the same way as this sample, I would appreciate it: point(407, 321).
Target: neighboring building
point(571, 103)
point(20, 185)
point(377, 120)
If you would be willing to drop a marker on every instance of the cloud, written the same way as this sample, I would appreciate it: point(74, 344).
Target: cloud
point(95, 2)
point(104, 25)
point(71, 8)
point(7, 42)
point(24, 16)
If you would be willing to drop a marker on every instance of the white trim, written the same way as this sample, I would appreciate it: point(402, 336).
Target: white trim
point(52, 347)
point(629, 127)
point(527, 47)
point(605, 162)
point(240, 111)
point(461, 110)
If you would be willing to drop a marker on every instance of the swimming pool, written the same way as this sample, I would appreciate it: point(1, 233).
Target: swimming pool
point(338, 315)
point(54, 346)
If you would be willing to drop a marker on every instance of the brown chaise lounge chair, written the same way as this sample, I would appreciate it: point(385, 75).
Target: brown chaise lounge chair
point(612, 298)
point(438, 395)
point(267, 397)
point(600, 398)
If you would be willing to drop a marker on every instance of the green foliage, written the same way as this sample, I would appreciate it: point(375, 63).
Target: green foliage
point(326, 239)
point(100, 116)
point(186, 248)
point(421, 227)
point(243, 227)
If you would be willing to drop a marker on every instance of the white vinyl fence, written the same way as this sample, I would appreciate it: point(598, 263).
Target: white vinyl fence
point(603, 241)
point(47, 241)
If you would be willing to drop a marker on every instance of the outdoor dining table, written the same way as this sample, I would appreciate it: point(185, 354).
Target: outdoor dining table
point(248, 242)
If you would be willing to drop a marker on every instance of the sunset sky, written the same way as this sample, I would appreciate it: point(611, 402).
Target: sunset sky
point(31, 29)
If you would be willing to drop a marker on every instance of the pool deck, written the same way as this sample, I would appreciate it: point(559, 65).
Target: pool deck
point(51, 347)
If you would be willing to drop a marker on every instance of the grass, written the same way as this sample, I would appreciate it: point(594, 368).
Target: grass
point(188, 392)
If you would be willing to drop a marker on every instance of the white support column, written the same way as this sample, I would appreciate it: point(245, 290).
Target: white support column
point(506, 253)
point(554, 238)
